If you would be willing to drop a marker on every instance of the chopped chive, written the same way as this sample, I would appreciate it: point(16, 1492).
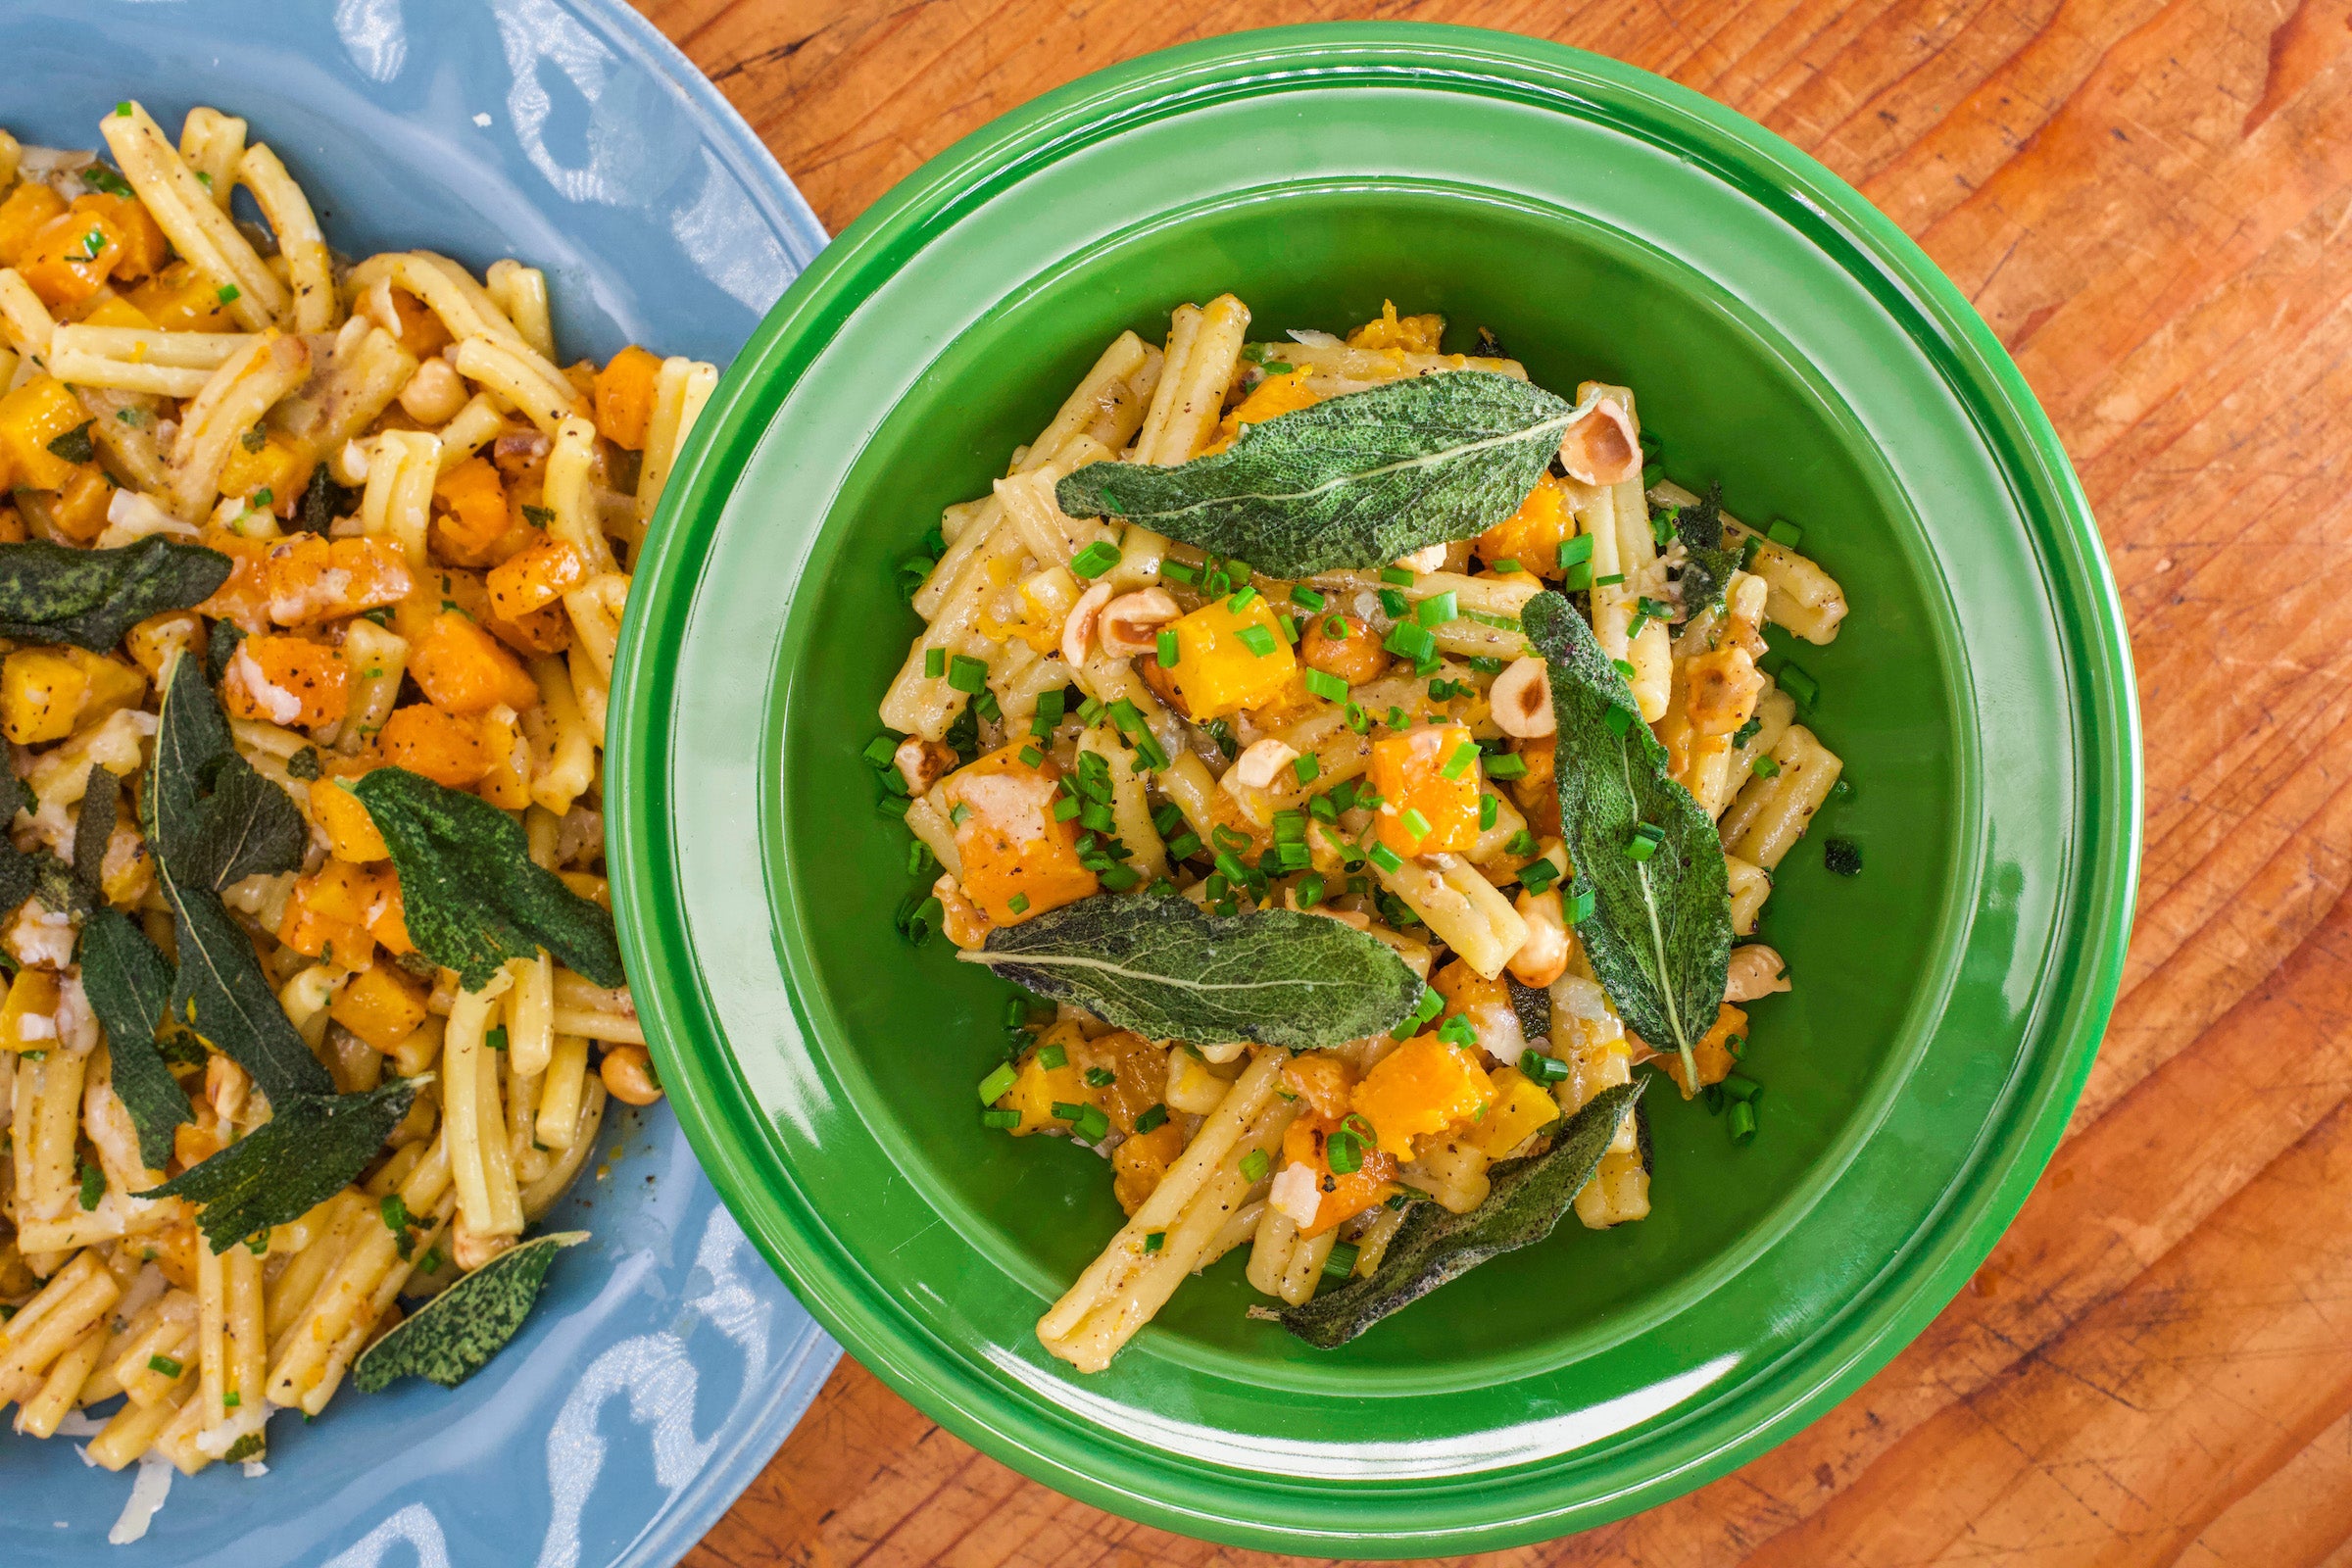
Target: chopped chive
point(1153, 1241)
point(1306, 598)
point(1573, 551)
point(1289, 630)
point(1619, 720)
point(960, 814)
point(880, 750)
point(1402, 576)
point(993, 1086)
point(1340, 1262)
point(1415, 825)
point(1438, 608)
point(1031, 757)
point(1506, 765)
point(1536, 875)
point(1458, 1031)
point(1345, 1152)
point(1490, 808)
point(230, 293)
point(1309, 891)
point(93, 1186)
point(1625, 667)
point(1255, 1164)
point(1241, 598)
point(1327, 686)
point(1459, 763)
point(1521, 843)
point(1797, 684)
point(1100, 1077)
point(1230, 864)
point(1094, 559)
point(1386, 859)
point(1394, 603)
point(1096, 817)
point(1765, 767)
point(1167, 819)
point(1335, 627)
point(1119, 878)
point(935, 663)
point(1784, 533)
point(394, 1212)
point(1411, 640)
point(1167, 649)
point(1739, 1086)
point(1306, 766)
point(1579, 909)
point(968, 674)
point(1151, 1119)
point(1018, 903)
point(1578, 577)
point(1087, 1121)
point(123, 112)
point(231, 1400)
point(1642, 842)
point(1610, 581)
point(1178, 571)
point(1506, 564)
point(1257, 639)
point(166, 1365)
point(1541, 1068)
point(1184, 847)
point(999, 1120)
point(1053, 1056)
point(1742, 1123)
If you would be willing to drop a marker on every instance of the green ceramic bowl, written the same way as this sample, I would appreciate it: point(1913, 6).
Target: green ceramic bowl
point(1784, 338)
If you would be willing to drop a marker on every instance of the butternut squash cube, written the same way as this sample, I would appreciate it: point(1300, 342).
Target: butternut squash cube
point(1712, 1054)
point(41, 691)
point(382, 1006)
point(1531, 535)
point(28, 1017)
point(81, 510)
point(1038, 1089)
point(1425, 771)
point(1423, 1086)
point(350, 831)
point(287, 680)
point(143, 244)
point(624, 396)
point(463, 669)
point(310, 579)
point(106, 307)
point(535, 577)
point(1522, 1107)
point(1019, 862)
point(317, 933)
point(445, 748)
point(180, 299)
point(1344, 1195)
point(268, 462)
point(28, 208)
point(32, 416)
point(1229, 659)
point(473, 520)
point(71, 257)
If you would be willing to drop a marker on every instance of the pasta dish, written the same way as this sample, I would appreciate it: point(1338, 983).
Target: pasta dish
point(1365, 763)
point(309, 580)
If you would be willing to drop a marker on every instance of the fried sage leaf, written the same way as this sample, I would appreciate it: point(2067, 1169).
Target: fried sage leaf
point(1707, 566)
point(474, 896)
point(89, 598)
point(203, 821)
point(1660, 932)
point(1359, 481)
point(128, 984)
point(452, 1335)
point(1432, 1246)
point(312, 1147)
point(1169, 971)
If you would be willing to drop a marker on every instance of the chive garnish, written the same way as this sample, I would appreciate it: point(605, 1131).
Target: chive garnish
point(993, 1087)
point(1094, 559)
point(1255, 1164)
point(1340, 1262)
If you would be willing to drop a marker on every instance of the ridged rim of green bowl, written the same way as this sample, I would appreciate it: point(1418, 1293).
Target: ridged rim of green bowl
point(2074, 996)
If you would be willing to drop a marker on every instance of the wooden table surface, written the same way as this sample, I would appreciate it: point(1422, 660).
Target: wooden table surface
point(2150, 201)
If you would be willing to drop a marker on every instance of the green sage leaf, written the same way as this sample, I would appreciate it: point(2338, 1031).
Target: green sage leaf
point(130, 984)
point(95, 829)
point(89, 598)
point(453, 1336)
point(1526, 1199)
point(1359, 481)
point(1169, 971)
point(312, 1147)
point(1660, 932)
point(1707, 566)
point(198, 835)
point(474, 896)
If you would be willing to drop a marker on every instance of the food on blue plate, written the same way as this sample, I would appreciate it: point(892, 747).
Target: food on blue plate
point(311, 572)
point(1366, 759)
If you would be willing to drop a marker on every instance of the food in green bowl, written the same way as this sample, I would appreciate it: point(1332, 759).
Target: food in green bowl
point(1261, 632)
point(1783, 341)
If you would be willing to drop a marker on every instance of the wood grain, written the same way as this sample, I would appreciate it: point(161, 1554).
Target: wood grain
point(2150, 201)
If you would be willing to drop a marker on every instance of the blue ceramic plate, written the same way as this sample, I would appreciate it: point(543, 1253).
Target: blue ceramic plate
point(665, 1362)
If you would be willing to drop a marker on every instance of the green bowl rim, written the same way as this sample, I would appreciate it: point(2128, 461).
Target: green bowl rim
point(1921, 1279)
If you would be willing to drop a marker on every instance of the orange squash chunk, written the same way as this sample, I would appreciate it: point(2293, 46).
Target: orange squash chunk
point(1531, 535)
point(474, 517)
point(1271, 398)
point(28, 209)
point(71, 257)
point(286, 680)
point(244, 596)
point(440, 746)
point(1713, 1055)
point(310, 579)
point(1409, 769)
point(1423, 1086)
point(382, 1006)
point(143, 244)
point(534, 578)
point(1342, 1196)
point(313, 926)
point(463, 669)
point(272, 464)
point(30, 418)
point(81, 510)
point(1017, 861)
point(351, 833)
point(624, 396)
point(1229, 659)
point(179, 299)
point(422, 333)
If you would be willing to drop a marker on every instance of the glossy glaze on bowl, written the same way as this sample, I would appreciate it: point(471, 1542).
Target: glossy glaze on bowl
point(1785, 339)
point(665, 1362)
